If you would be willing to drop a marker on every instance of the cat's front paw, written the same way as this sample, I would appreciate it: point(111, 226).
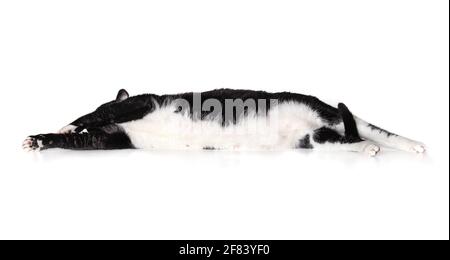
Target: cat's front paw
point(68, 129)
point(33, 143)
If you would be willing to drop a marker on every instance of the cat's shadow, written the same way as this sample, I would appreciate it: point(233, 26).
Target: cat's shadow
point(228, 158)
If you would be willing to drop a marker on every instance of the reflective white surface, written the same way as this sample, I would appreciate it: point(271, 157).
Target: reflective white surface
point(216, 194)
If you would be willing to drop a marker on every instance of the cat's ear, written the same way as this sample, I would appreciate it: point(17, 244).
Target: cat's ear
point(122, 95)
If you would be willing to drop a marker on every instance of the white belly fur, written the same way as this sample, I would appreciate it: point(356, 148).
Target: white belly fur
point(284, 126)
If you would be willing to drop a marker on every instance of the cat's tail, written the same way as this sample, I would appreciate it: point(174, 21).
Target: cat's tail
point(350, 127)
point(386, 138)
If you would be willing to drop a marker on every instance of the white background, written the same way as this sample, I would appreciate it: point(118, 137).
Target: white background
point(387, 60)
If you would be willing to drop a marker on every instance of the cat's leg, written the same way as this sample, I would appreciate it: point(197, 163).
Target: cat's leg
point(386, 138)
point(84, 141)
point(117, 111)
point(328, 139)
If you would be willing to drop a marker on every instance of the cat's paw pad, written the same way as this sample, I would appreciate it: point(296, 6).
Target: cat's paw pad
point(372, 149)
point(419, 148)
point(32, 143)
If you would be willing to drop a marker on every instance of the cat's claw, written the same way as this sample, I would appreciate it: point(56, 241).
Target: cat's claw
point(372, 150)
point(32, 144)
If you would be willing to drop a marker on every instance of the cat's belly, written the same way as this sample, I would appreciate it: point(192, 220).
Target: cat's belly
point(282, 128)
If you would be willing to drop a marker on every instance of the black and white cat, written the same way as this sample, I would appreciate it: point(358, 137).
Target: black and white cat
point(222, 119)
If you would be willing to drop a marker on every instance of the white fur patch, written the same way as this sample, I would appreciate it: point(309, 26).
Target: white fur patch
point(67, 129)
point(282, 128)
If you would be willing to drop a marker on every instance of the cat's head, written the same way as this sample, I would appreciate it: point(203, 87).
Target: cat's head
point(94, 118)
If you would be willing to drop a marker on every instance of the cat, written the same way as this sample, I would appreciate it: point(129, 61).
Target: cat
point(222, 119)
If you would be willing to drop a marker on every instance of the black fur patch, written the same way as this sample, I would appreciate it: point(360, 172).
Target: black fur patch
point(376, 128)
point(84, 141)
point(351, 131)
point(305, 143)
point(325, 134)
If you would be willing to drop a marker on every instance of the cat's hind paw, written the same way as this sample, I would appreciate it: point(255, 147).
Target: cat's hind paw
point(419, 148)
point(32, 143)
point(372, 149)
